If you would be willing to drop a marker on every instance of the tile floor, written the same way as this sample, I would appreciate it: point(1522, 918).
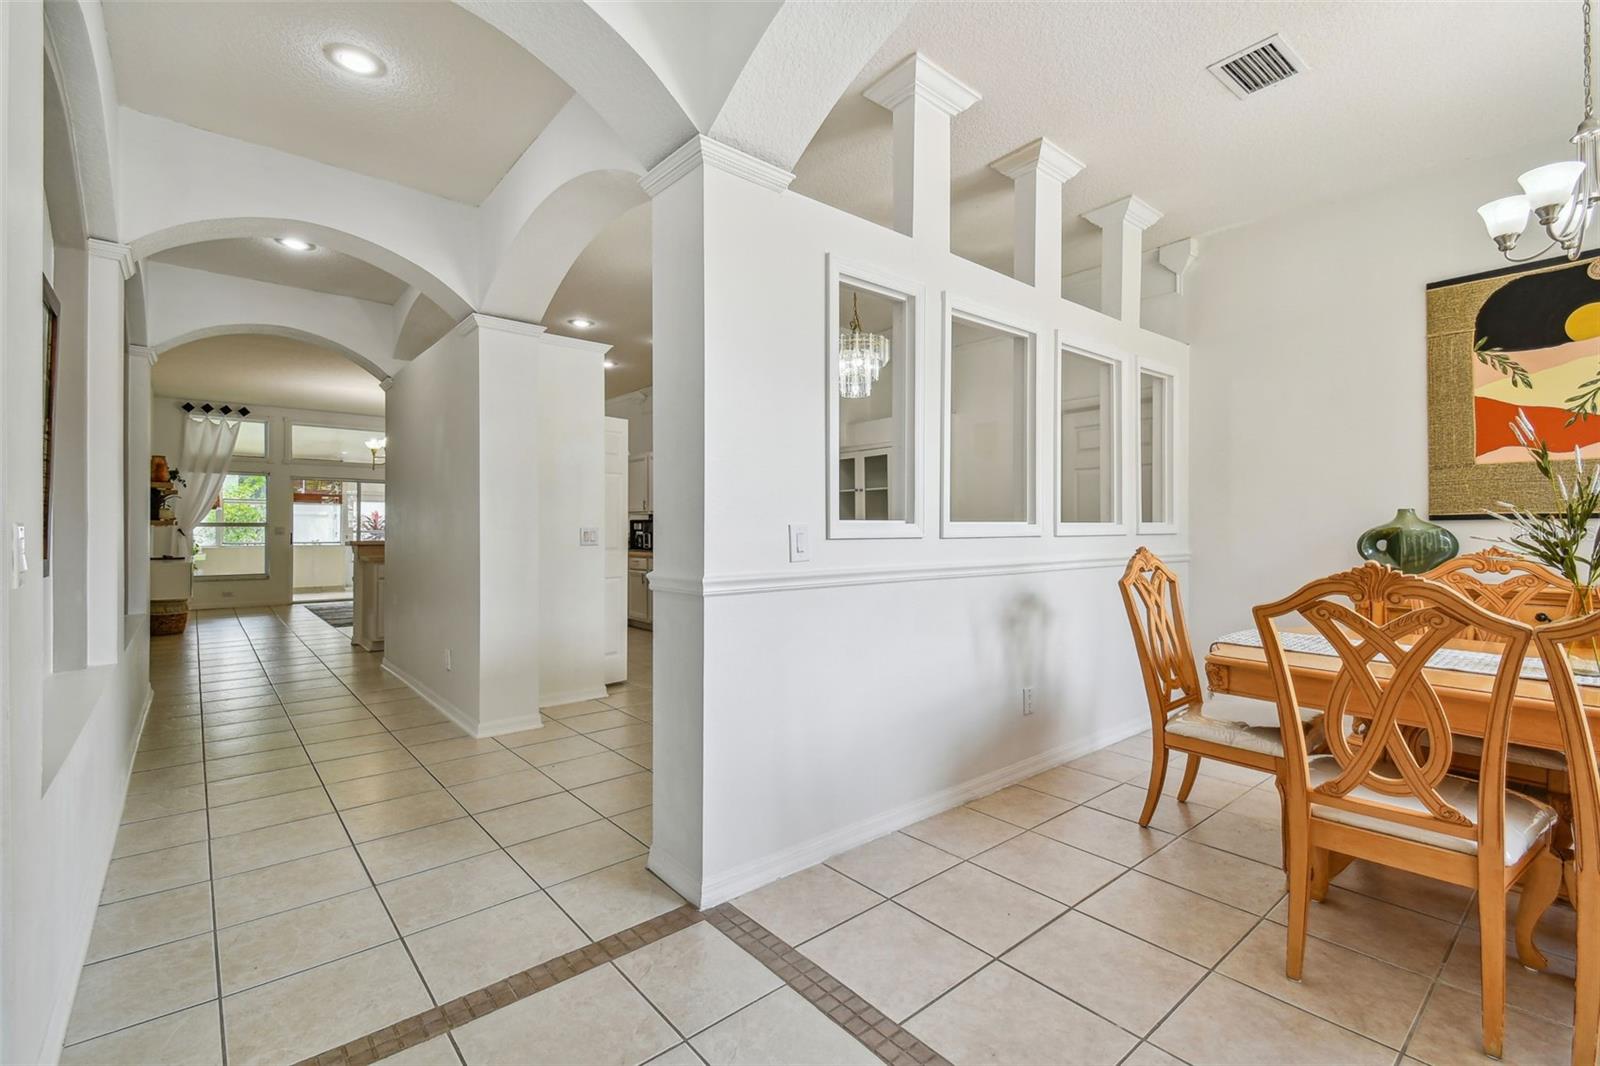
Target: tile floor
point(312, 853)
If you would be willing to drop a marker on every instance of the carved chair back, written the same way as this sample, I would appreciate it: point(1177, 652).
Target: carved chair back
point(1583, 775)
point(1525, 590)
point(1160, 635)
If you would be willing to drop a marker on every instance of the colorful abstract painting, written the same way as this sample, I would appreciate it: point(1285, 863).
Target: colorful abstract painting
point(1544, 317)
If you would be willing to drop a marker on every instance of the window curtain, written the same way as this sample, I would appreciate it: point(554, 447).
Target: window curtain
point(207, 451)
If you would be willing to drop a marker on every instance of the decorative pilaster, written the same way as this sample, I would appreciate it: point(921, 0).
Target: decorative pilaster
point(924, 98)
point(1178, 257)
point(1038, 171)
point(699, 152)
point(1122, 226)
point(120, 254)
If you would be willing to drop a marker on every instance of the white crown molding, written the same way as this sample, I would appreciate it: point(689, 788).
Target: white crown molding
point(915, 76)
point(703, 151)
point(1178, 257)
point(494, 324)
point(1130, 210)
point(144, 352)
point(120, 254)
point(1044, 156)
point(557, 340)
point(386, 384)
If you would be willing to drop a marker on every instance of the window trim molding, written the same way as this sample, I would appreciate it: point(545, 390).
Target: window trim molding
point(1173, 427)
point(995, 318)
point(1118, 362)
point(865, 276)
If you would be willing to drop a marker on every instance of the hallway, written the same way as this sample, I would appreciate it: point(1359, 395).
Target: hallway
point(310, 852)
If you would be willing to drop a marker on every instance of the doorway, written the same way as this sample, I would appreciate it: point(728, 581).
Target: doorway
point(328, 514)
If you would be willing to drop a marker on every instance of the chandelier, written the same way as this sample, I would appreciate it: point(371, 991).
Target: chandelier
point(861, 356)
point(1560, 196)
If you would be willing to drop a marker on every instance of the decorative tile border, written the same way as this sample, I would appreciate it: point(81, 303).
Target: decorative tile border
point(882, 1036)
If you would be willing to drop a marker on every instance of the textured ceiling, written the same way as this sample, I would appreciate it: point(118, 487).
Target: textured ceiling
point(1389, 91)
point(268, 372)
point(261, 259)
point(610, 284)
point(459, 104)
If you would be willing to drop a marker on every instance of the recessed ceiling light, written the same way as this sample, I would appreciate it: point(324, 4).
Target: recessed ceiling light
point(580, 323)
point(357, 61)
point(610, 364)
point(295, 244)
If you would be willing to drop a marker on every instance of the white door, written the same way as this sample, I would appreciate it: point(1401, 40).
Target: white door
point(639, 484)
point(638, 596)
point(614, 540)
point(1085, 486)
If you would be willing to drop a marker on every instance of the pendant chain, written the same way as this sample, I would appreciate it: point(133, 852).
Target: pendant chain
point(1588, 66)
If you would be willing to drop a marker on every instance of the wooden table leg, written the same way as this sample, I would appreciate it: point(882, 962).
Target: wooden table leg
point(1540, 883)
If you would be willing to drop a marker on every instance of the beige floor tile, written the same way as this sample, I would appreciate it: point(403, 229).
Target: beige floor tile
point(135, 988)
point(421, 849)
point(166, 779)
point(490, 793)
point(1261, 803)
point(599, 721)
point(259, 786)
point(1118, 976)
point(290, 941)
point(574, 852)
point(1020, 806)
point(286, 885)
point(891, 864)
point(425, 734)
point(1069, 784)
point(575, 773)
point(270, 810)
point(895, 960)
point(148, 921)
point(163, 803)
point(402, 815)
point(380, 762)
point(1127, 801)
point(139, 837)
point(155, 871)
point(1200, 929)
point(682, 1055)
point(344, 711)
point(256, 728)
point(643, 754)
point(448, 892)
point(1206, 791)
point(460, 748)
point(1115, 765)
point(1000, 1016)
point(1450, 1033)
point(477, 768)
point(1251, 838)
point(615, 898)
point(1223, 1021)
point(697, 977)
point(1446, 902)
point(362, 726)
point(962, 832)
point(163, 757)
point(1372, 927)
point(1226, 877)
point(1547, 993)
point(258, 762)
point(406, 715)
point(781, 1030)
point(980, 907)
point(220, 749)
point(190, 1037)
point(1150, 1055)
point(436, 1052)
point(536, 818)
point(312, 1011)
point(1355, 991)
point(1105, 835)
point(551, 730)
point(619, 795)
point(478, 949)
point(565, 749)
point(349, 747)
point(562, 712)
point(800, 906)
point(277, 843)
point(595, 1017)
point(639, 824)
point(359, 791)
point(1063, 873)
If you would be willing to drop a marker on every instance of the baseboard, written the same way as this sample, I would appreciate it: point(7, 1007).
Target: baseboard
point(752, 875)
point(495, 728)
point(675, 874)
point(575, 696)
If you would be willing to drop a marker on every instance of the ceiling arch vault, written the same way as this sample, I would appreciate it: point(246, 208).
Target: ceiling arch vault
point(262, 329)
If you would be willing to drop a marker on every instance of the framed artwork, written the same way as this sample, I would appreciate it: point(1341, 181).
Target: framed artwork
point(1545, 318)
point(50, 343)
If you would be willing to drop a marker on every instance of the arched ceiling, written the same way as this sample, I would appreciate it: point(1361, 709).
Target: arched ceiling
point(610, 284)
point(263, 259)
point(269, 371)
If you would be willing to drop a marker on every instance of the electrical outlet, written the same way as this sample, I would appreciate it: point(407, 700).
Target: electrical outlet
point(799, 544)
point(227, 595)
point(449, 664)
point(1027, 700)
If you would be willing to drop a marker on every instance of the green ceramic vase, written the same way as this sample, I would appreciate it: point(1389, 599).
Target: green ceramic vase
point(1408, 543)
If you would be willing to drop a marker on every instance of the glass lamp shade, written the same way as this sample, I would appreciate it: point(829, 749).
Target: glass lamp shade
point(1505, 217)
point(1550, 184)
point(861, 356)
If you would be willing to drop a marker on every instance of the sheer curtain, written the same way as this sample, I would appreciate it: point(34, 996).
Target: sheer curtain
point(207, 450)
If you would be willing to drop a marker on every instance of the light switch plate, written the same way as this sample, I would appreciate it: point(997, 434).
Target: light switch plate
point(19, 554)
point(799, 544)
point(589, 537)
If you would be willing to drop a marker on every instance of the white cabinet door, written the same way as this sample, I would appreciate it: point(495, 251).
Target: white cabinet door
point(639, 485)
point(614, 540)
point(866, 489)
point(638, 596)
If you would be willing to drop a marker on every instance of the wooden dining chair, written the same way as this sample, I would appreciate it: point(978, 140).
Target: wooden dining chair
point(1374, 797)
point(1582, 865)
point(1183, 717)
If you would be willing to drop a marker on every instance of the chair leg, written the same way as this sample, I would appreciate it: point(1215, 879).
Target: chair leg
point(1299, 862)
point(1586, 1019)
point(1283, 823)
point(1158, 777)
point(1492, 947)
point(1540, 883)
point(1321, 873)
point(1189, 773)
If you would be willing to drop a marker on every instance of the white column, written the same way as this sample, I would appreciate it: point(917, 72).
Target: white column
point(1038, 171)
point(136, 550)
point(1122, 226)
point(924, 98)
point(110, 266)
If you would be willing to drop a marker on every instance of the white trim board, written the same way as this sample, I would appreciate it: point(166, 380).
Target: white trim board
point(480, 730)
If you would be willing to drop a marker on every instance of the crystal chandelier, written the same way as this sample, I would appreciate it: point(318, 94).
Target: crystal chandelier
point(1560, 196)
point(861, 356)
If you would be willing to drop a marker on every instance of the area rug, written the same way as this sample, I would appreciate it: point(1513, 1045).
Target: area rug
point(340, 614)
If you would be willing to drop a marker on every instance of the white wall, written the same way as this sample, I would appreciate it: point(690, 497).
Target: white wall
point(637, 408)
point(1310, 384)
point(166, 438)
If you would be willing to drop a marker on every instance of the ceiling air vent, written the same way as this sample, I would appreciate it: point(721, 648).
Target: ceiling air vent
point(1257, 67)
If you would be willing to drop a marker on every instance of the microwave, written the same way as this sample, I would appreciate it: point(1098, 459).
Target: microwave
point(640, 538)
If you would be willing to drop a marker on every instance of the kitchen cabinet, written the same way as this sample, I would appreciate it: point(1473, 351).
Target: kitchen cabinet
point(641, 490)
point(639, 613)
point(865, 484)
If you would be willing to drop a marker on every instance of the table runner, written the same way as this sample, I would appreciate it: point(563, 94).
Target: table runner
point(1468, 662)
